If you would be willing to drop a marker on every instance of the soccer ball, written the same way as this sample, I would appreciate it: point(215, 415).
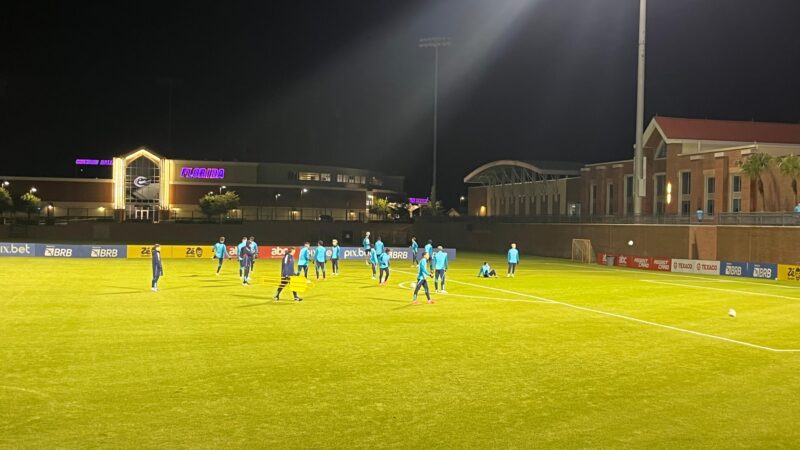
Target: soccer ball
point(630, 243)
point(732, 312)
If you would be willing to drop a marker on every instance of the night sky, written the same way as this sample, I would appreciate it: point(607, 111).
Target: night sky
point(343, 82)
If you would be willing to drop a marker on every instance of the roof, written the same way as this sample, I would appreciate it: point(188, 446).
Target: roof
point(506, 169)
point(728, 130)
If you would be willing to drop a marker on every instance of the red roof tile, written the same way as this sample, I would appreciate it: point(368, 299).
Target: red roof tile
point(729, 130)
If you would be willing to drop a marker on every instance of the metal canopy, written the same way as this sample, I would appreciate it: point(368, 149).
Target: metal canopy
point(505, 172)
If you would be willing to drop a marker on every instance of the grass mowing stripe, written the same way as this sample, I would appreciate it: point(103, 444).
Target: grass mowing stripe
point(633, 319)
point(735, 291)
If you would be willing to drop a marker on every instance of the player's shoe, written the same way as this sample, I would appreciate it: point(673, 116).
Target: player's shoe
point(443, 291)
point(431, 301)
point(154, 289)
point(276, 298)
point(298, 299)
point(415, 302)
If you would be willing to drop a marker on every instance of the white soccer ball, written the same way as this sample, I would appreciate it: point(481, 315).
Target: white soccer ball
point(630, 243)
point(732, 312)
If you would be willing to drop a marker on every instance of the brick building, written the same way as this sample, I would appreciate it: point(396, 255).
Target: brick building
point(694, 163)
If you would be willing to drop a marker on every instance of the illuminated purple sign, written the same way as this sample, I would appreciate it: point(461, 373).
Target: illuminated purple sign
point(94, 162)
point(212, 173)
point(418, 201)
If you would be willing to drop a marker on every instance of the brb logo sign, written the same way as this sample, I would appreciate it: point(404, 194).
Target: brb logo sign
point(58, 252)
point(99, 252)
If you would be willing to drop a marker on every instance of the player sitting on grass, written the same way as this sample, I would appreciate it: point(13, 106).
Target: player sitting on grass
point(220, 252)
point(422, 281)
point(487, 271)
point(513, 260)
point(287, 271)
point(319, 259)
point(158, 268)
point(383, 261)
point(335, 252)
point(440, 265)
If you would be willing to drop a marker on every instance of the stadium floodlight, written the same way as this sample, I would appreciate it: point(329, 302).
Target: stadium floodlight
point(435, 43)
point(638, 154)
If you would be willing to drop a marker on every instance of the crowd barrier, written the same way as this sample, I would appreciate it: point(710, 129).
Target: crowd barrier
point(765, 271)
point(143, 251)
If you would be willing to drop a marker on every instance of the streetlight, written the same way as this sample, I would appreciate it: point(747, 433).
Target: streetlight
point(33, 190)
point(221, 188)
point(638, 154)
point(6, 183)
point(461, 199)
point(435, 43)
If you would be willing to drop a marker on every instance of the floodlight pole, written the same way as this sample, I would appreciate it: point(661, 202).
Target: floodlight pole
point(435, 43)
point(638, 154)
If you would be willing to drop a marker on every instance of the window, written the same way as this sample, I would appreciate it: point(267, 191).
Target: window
point(325, 177)
point(340, 178)
point(375, 181)
point(660, 193)
point(711, 189)
point(628, 194)
point(661, 151)
point(685, 190)
point(736, 193)
point(609, 199)
point(308, 176)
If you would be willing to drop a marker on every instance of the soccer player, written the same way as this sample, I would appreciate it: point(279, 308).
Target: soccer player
point(440, 264)
point(486, 271)
point(247, 260)
point(158, 268)
point(422, 282)
point(378, 246)
point(287, 271)
point(335, 252)
point(302, 260)
point(239, 255)
point(373, 260)
point(220, 252)
point(429, 251)
point(319, 257)
point(414, 250)
point(254, 247)
point(366, 245)
point(383, 261)
point(513, 260)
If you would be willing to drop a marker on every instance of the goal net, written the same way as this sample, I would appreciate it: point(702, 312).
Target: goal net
point(582, 251)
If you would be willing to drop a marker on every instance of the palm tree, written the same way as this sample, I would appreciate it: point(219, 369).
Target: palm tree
point(789, 166)
point(753, 167)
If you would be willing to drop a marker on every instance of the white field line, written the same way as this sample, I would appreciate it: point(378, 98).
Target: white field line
point(735, 291)
point(633, 319)
point(30, 391)
point(410, 285)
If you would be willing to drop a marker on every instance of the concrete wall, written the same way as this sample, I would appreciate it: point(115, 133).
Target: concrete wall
point(727, 243)
point(266, 233)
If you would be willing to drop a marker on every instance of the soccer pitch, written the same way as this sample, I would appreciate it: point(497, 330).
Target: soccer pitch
point(563, 355)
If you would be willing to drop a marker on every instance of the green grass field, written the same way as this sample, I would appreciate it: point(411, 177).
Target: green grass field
point(563, 355)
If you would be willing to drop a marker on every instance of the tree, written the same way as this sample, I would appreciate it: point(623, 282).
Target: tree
point(381, 207)
point(30, 204)
point(753, 167)
point(430, 208)
point(789, 166)
point(6, 202)
point(218, 204)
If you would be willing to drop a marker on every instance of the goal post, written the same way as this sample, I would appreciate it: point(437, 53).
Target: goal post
point(582, 251)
